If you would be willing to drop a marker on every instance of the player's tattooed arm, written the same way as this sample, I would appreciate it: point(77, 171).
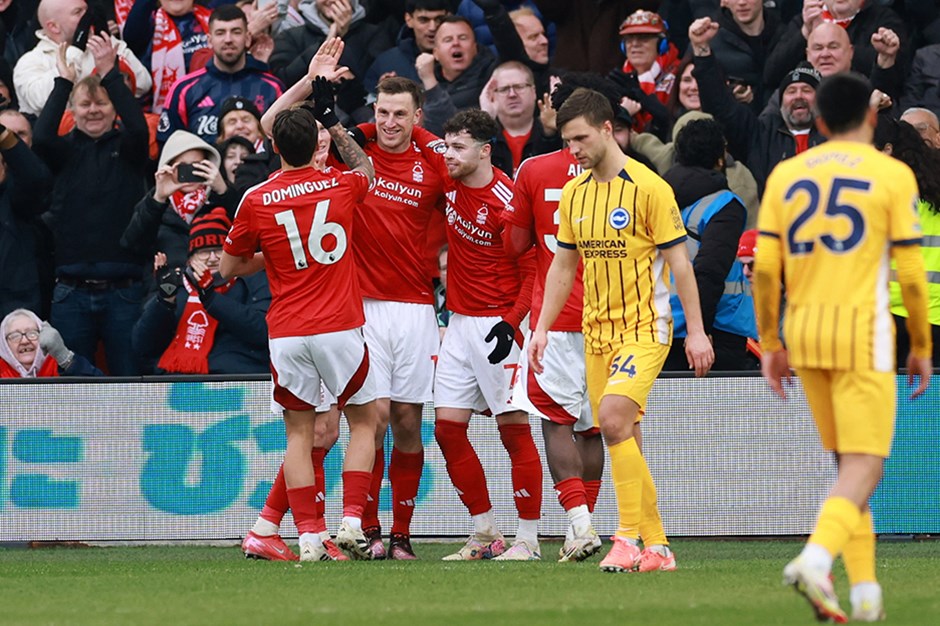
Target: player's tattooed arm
point(350, 152)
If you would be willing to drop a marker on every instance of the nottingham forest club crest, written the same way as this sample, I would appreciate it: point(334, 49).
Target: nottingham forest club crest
point(619, 218)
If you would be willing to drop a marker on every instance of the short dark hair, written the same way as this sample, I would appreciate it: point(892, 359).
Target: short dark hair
point(842, 101)
point(429, 5)
point(295, 136)
point(700, 143)
point(592, 105)
point(478, 124)
point(393, 85)
point(458, 19)
point(227, 13)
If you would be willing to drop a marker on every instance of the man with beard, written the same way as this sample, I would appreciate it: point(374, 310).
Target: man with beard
point(758, 142)
point(195, 101)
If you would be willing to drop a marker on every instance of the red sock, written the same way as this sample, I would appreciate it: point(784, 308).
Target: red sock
point(571, 493)
point(355, 492)
point(592, 488)
point(463, 465)
point(526, 469)
point(276, 504)
point(404, 472)
point(370, 516)
point(317, 455)
point(303, 502)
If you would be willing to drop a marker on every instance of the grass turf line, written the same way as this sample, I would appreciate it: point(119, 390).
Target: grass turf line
point(719, 582)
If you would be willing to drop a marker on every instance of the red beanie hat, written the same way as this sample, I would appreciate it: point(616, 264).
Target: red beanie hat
point(209, 230)
point(747, 243)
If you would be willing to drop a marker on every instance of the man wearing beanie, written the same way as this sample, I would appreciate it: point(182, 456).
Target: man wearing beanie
point(197, 323)
point(758, 142)
point(240, 118)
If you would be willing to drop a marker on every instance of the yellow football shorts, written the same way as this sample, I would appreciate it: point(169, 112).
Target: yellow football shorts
point(629, 370)
point(854, 411)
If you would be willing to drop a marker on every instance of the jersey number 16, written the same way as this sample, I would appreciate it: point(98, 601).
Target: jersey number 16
point(320, 229)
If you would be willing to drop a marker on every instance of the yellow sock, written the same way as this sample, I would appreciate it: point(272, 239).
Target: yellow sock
point(837, 520)
point(651, 524)
point(626, 469)
point(859, 553)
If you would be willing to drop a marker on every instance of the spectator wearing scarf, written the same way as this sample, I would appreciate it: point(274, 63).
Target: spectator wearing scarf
point(199, 324)
point(162, 218)
point(33, 349)
point(656, 76)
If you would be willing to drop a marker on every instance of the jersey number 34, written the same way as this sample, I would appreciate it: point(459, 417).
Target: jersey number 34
point(320, 229)
point(834, 209)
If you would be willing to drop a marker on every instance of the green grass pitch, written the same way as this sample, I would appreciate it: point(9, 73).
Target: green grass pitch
point(718, 582)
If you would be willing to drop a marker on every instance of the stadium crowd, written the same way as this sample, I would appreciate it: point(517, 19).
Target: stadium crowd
point(131, 133)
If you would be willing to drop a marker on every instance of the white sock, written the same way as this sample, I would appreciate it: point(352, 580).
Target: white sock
point(580, 519)
point(312, 539)
point(485, 524)
point(353, 522)
point(325, 536)
point(528, 532)
point(861, 592)
point(264, 528)
point(569, 534)
point(659, 549)
point(817, 558)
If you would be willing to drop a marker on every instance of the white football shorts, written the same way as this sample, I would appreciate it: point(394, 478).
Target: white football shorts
point(403, 341)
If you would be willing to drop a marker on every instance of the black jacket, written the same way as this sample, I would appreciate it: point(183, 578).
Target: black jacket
point(97, 181)
point(719, 243)
point(22, 195)
point(759, 143)
point(742, 56)
point(792, 46)
point(923, 84)
point(447, 97)
point(538, 143)
point(241, 338)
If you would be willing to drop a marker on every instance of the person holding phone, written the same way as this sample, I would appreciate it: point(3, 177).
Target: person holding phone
point(67, 22)
point(188, 182)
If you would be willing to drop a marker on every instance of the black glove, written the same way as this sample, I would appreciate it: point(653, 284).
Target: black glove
point(627, 84)
point(204, 286)
point(169, 280)
point(505, 335)
point(324, 102)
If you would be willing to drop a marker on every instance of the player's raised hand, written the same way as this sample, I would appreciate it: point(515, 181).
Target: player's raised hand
point(537, 344)
point(775, 366)
point(326, 61)
point(920, 367)
point(700, 353)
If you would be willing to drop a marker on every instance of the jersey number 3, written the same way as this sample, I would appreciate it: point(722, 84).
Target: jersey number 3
point(834, 209)
point(320, 229)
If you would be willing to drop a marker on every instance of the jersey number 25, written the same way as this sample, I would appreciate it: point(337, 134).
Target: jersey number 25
point(834, 209)
point(320, 229)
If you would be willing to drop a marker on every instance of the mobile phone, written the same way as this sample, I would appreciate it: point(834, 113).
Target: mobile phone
point(734, 81)
point(186, 173)
point(89, 20)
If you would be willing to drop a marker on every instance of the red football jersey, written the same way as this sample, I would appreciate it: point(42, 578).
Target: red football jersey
point(481, 279)
point(302, 220)
point(395, 225)
point(535, 208)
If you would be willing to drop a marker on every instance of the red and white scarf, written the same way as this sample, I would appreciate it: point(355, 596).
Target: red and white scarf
point(826, 16)
point(187, 204)
point(188, 353)
point(167, 59)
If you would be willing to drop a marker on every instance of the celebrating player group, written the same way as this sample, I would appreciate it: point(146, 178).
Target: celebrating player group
point(584, 248)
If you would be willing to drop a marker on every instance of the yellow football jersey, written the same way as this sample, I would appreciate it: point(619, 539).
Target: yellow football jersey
point(618, 227)
point(832, 214)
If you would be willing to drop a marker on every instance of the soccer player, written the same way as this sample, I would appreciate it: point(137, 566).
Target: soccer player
point(573, 445)
point(390, 236)
point(301, 218)
point(622, 220)
point(830, 221)
point(488, 295)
